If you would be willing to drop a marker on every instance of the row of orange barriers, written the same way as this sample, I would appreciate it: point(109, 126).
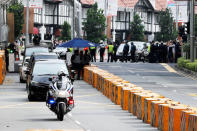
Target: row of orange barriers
point(2, 66)
point(152, 108)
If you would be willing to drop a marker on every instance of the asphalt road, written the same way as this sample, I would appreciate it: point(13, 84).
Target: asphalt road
point(92, 112)
point(158, 78)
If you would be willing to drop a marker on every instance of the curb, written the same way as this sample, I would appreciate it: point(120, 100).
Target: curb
point(151, 108)
point(186, 71)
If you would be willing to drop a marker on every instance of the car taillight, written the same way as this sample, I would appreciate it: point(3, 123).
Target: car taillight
point(71, 102)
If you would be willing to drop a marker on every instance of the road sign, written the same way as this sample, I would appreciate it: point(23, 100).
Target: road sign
point(33, 3)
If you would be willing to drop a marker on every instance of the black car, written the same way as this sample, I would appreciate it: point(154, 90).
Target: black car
point(38, 77)
point(41, 56)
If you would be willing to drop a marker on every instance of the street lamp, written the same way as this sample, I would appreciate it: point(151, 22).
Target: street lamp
point(192, 32)
point(27, 24)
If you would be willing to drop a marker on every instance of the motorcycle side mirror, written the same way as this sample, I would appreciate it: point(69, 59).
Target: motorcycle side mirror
point(27, 72)
point(50, 79)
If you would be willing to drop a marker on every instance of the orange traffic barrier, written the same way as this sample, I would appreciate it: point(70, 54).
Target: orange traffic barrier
point(131, 92)
point(1, 69)
point(152, 108)
point(125, 97)
point(140, 103)
point(192, 122)
point(154, 111)
point(175, 117)
point(2, 66)
point(185, 118)
point(118, 94)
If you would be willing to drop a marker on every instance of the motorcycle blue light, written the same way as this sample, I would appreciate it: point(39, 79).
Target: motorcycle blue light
point(51, 101)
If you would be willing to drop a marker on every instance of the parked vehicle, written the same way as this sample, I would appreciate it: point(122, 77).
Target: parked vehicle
point(38, 77)
point(60, 95)
point(61, 51)
point(41, 56)
point(139, 50)
point(23, 69)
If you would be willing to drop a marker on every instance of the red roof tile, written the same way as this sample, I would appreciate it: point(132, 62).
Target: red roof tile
point(127, 3)
point(87, 2)
point(160, 4)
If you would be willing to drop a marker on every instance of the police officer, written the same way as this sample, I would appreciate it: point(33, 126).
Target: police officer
point(110, 52)
point(93, 53)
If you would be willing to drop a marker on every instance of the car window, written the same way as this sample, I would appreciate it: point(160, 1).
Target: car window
point(29, 51)
point(49, 68)
point(46, 57)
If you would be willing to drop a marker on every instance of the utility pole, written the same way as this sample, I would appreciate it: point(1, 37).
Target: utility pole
point(73, 19)
point(106, 7)
point(27, 24)
point(177, 15)
point(192, 33)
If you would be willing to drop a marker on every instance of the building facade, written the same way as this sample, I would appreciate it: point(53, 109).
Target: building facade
point(4, 4)
point(53, 14)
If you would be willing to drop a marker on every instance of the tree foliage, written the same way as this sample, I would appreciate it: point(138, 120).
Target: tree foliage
point(94, 26)
point(137, 29)
point(66, 31)
point(167, 27)
point(17, 8)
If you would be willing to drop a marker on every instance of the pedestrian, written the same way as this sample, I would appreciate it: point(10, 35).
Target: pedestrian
point(170, 52)
point(93, 53)
point(161, 52)
point(114, 51)
point(87, 58)
point(102, 51)
point(133, 50)
point(36, 40)
point(177, 51)
point(125, 51)
point(110, 52)
point(76, 62)
point(165, 52)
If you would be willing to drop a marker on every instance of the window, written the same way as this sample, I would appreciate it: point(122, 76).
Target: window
point(156, 19)
point(121, 16)
point(149, 18)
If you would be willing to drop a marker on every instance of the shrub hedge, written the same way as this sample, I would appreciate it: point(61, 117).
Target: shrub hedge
point(185, 63)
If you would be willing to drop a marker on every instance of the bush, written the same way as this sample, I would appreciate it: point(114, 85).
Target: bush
point(185, 63)
point(182, 62)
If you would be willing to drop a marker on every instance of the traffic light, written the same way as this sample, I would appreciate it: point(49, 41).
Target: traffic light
point(181, 31)
point(188, 27)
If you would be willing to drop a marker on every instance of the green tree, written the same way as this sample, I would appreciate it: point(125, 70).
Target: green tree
point(137, 29)
point(17, 8)
point(94, 26)
point(167, 27)
point(66, 31)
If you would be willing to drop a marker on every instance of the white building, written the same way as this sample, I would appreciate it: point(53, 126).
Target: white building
point(118, 26)
point(4, 4)
point(53, 13)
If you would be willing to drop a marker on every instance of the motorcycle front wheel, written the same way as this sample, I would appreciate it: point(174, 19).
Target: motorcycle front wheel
point(60, 115)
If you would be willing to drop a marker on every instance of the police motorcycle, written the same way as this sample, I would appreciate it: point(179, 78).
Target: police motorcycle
point(59, 97)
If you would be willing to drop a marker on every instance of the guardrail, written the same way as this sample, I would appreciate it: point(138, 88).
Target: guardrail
point(2, 66)
point(152, 108)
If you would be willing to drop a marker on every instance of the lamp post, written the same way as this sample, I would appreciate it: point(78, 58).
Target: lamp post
point(27, 24)
point(192, 32)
